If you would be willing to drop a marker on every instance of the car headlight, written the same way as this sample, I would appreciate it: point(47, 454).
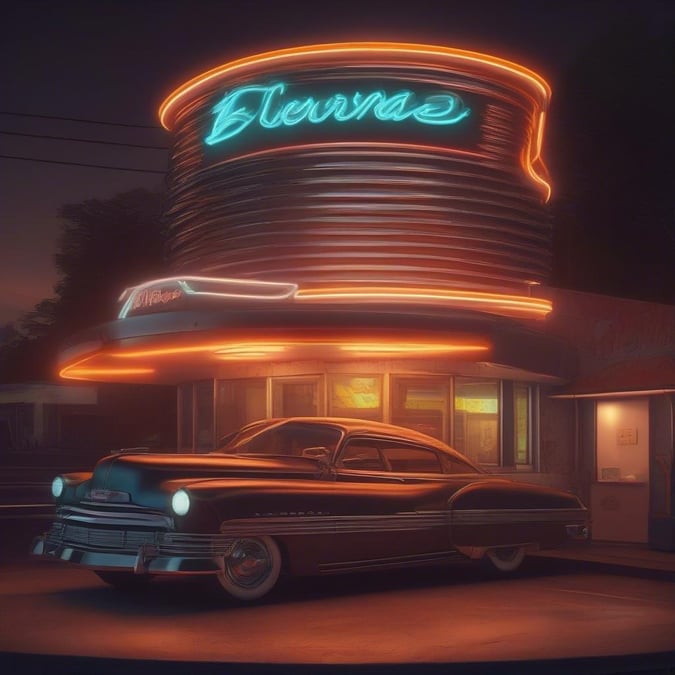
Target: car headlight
point(57, 487)
point(180, 502)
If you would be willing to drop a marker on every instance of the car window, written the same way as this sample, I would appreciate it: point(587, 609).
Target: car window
point(409, 459)
point(457, 465)
point(235, 438)
point(360, 454)
point(289, 438)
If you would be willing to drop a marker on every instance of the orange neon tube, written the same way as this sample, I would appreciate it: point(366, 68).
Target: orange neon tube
point(502, 65)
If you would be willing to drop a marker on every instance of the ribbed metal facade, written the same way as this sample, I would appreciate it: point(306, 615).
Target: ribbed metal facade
point(451, 214)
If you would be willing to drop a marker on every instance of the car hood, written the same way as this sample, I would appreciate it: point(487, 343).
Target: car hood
point(141, 476)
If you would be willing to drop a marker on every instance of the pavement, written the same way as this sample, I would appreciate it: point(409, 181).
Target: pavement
point(607, 557)
point(622, 557)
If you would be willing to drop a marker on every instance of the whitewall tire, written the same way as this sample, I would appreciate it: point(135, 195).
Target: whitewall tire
point(506, 559)
point(252, 568)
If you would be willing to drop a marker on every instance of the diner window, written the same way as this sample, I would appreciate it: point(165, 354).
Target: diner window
point(521, 424)
point(476, 427)
point(185, 417)
point(204, 432)
point(421, 403)
point(239, 402)
point(623, 440)
point(295, 397)
point(355, 396)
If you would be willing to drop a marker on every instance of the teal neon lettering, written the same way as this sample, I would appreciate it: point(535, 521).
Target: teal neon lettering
point(396, 108)
point(316, 115)
point(244, 106)
point(267, 117)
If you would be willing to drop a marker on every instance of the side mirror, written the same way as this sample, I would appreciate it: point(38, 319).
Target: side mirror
point(320, 452)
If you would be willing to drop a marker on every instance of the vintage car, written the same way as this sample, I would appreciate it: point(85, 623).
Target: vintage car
point(299, 496)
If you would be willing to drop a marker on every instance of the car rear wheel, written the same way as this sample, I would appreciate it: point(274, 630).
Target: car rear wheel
point(251, 569)
point(124, 581)
point(505, 558)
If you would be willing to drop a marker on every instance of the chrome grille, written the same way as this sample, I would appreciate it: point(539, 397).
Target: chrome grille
point(101, 538)
point(194, 545)
point(129, 541)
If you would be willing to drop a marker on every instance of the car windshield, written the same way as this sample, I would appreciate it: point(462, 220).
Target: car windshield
point(286, 438)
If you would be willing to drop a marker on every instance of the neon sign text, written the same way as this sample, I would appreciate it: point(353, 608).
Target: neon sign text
point(156, 296)
point(266, 105)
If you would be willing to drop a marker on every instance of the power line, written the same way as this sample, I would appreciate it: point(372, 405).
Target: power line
point(83, 140)
point(77, 119)
point(90, 166)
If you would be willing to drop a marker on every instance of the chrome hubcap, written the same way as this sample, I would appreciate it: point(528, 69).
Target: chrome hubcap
point(249, 563)
point(506, 554)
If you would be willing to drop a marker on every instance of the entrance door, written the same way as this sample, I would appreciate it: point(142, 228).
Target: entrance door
point(620, 492)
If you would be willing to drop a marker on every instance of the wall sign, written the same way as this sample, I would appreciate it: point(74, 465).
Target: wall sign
point(276, 106)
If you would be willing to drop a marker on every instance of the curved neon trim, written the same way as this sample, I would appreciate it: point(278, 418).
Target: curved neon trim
point(532, 156)
point(255, 348)
point(350, 145)
point(71, 373)
point(496, 300)
point(502, 65)
point(281, 291)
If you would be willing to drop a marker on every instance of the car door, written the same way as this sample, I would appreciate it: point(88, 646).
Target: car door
point(416, 529)
point(361, 460)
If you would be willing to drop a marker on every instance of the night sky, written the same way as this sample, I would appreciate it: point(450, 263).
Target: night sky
point(116, 61)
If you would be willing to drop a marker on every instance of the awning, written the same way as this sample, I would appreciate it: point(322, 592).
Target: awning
point(637, 376)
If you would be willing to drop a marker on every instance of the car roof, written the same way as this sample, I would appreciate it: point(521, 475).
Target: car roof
point(354, 425)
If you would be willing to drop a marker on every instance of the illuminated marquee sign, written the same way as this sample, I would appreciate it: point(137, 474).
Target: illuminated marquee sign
point(271, 107)
point(156, 296)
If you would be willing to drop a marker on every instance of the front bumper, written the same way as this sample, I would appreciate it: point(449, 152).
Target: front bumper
point(108, 542)
point(577, 532)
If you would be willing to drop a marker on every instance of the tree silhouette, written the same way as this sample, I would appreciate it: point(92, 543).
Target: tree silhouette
point(105, 246)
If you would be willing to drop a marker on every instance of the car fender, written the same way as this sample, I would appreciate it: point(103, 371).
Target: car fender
point(311, 520)
point(500, 512)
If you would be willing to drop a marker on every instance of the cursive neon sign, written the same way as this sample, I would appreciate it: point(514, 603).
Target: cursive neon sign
point(268, 106)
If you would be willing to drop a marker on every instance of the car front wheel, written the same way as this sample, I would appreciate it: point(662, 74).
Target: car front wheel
point(251, 569)
point(505, 558)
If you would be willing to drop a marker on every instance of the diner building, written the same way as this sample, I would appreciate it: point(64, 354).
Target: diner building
point(361, 230)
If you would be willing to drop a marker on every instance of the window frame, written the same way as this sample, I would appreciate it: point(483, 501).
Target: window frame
point(378, 442)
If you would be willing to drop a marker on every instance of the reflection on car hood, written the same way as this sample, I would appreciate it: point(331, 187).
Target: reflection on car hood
point(141, 475)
